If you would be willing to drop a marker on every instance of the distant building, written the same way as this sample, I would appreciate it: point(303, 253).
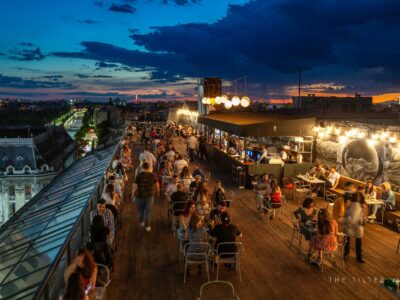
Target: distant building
point(100, 115)
point(332, 104)
point(27, 164)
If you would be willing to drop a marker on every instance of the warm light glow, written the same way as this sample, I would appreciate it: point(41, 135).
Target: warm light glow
point(188, 113)
point(361, 135)
point(393, 139)
point(342, 139)
point(228, 104)
point(374, 136)
point(316, 129)
point(235, 101)
point(371, 142)
point(245, 101)
point(337, 131)
point(224, 98)
point(321, 135)
point(218, 100)
point(212, 101)
point(204, 100)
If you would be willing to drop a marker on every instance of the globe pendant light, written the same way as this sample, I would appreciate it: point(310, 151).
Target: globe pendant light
point(245, 101)
point(228, 104)
point(235, 101)
point(224, 99)
point(212, 101)
point(218, 100)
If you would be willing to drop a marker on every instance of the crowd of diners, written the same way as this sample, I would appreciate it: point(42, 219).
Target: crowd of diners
point(347, 219)
point(198, 214)
point(87, 270)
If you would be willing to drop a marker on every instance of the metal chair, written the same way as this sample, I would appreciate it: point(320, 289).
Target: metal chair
point(301, 191)
point(175, 219)
point(296, 232)
point(276, 207)
point(341, 239)
point(196, 258)
point(228, 288)
point(229, 257)
point(103, 280)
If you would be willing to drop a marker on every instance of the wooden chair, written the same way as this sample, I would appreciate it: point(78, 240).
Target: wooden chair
point(208, 290)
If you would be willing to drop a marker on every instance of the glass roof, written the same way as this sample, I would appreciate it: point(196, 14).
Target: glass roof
point(31, 240)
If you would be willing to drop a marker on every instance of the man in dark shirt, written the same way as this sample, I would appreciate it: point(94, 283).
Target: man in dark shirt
point(179, 196)
point(196, 183)
point(215, 215)
point(202, 147)
point(147, 189)
point(197, 171)
point(224, 233)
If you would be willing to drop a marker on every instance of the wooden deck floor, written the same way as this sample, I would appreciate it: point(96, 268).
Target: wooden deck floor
point(147, 265)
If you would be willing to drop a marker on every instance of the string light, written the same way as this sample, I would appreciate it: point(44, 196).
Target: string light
point(228, 104)
point(245, 101)
point(235, 101)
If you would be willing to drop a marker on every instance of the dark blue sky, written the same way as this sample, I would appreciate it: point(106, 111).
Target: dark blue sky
point(157, 48)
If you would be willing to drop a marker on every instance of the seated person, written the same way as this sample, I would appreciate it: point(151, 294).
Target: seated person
point(168, 170)
point(326, 238)
point(107, 215)
point(370, 190)
point(219, 192)
point(172, 186)
point(333, 178)
point(196, 183)
point(179, 164)
point(203, 207)
point(179, 196)
point(388, 197)
point(100, 244)
point(274, 199)
point(215, 215)
point(185, 217)
point(225, 233)
point(117, 186)
point(263, 188)
point(197, 171)
point(75, 289)
point(110, 195)
point(196, 233)
point(85, 265)
point(185, 177)
point(318, 171)
point(306, 214)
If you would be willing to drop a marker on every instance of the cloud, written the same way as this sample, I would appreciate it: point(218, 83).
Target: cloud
point(89, 21)
point(53, 77)
point(26, 44)
point(81, 75)
point(19, 82)
point(122, 8)
point(97, 94)
point(26, 55)
point(102, 64)
point(180, 2)
point(102, 76)
point(98, 3)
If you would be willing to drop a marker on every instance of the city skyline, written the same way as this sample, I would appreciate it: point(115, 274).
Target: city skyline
point(157, 49)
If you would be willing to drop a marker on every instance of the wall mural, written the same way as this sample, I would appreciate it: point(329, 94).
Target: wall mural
point(361, 160)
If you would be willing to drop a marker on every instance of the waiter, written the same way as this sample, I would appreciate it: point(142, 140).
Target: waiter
point(263, 159)
point(284, 153)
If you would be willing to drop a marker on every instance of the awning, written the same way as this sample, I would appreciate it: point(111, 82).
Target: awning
point(248, 124)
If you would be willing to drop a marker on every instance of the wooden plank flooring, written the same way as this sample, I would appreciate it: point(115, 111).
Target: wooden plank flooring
point(147, 265)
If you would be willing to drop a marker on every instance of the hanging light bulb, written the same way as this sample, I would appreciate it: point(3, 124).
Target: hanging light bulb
point(235, 101)
point(224, 98)
point(342, 139)
point(204, 100)
point(218, 100)
point(228, 104)
point(245, 101)
point(337, 131)
point(212, 101)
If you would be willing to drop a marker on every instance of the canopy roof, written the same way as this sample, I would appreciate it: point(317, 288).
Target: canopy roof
point(248, 124)
point(33, 238)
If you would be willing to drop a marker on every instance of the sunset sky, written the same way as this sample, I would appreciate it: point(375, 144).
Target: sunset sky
point(157, 49)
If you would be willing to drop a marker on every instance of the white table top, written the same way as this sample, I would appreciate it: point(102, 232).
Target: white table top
point(373, 201)
point(309, 180)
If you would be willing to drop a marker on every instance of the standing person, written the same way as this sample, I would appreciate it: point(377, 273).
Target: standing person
point(353, 225)
point(219, 192)
point(147, 189)
point(149, 157)
point(264, 155)
point(202, 147)
point(179, 164)
point(263, 188)
point(193, 145)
